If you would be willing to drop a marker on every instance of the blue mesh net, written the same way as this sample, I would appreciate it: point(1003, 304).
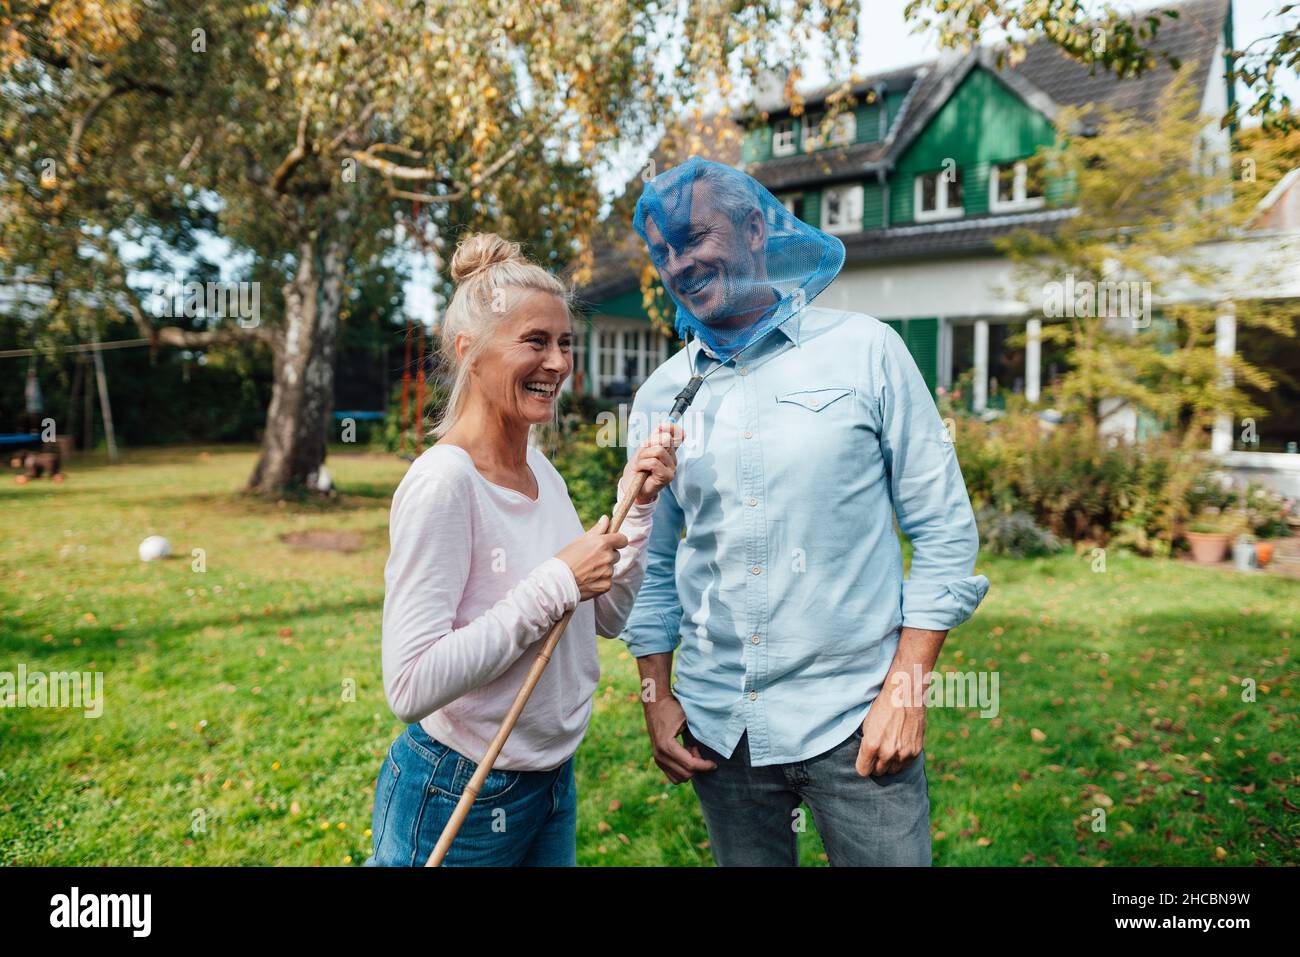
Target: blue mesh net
point(733, 259)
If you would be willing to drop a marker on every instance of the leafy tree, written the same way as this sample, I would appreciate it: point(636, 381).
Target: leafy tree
point(303, 132)
point(1144, 274)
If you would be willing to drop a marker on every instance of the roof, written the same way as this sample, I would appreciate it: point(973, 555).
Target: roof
point(1047, 79)
point(958, 236)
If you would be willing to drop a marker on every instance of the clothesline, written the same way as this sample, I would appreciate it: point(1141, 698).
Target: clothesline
point(82, 347)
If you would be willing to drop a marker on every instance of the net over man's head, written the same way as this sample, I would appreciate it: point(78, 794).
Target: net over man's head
point(734, 260)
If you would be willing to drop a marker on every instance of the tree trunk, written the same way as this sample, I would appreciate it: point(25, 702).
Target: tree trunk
point(302, 394)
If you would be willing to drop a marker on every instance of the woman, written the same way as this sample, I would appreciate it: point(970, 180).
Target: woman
point(487, 553)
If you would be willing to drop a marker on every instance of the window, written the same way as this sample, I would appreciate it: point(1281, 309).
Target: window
point(1015, 187)
point(627, 351)
point(842, 209)
point(937, 195)
point(791, 201)
point(842, 131)
point(783, 138)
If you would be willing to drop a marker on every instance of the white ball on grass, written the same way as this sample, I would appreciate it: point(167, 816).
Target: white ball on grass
point(153, 548)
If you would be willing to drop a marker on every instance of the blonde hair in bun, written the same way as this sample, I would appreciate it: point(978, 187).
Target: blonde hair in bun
point(483, 267)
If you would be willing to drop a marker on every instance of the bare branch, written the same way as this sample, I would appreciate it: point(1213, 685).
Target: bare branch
point(396, 193)
point(393, 170)
point(294, 157)
point(348, 132)
point(72, 157)
point(394, 148)
point(192, 154)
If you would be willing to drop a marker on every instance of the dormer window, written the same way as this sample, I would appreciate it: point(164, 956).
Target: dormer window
point(783, 138)
point(791, 202)
point(842, 132)
point(1014, 188)
point(842, 209)
point(938, 195)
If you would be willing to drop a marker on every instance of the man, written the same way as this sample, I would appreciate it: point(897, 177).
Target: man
point(798, 642)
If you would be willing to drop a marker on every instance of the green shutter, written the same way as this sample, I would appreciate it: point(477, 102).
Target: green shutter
point(757, 147)
point(873, 206)
point(921, 336)
point(812, 208)
point(868, 123)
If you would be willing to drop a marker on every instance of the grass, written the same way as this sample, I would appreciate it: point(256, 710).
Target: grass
point(245, 718)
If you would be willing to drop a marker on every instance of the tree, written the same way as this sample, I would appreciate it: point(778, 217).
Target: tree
point(307, 130)
point(1116, 40)
point(1142, 276)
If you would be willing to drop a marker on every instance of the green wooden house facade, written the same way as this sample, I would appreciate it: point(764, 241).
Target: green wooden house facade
point(924, 172)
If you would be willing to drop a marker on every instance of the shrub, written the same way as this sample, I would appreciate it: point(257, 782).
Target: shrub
point(590, 470)
point(1015, 534)
point(1074, 483)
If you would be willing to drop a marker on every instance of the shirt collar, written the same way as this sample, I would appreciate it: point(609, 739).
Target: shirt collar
point(789, 327)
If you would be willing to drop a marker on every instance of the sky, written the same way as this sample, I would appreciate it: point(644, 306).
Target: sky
point(885, 42)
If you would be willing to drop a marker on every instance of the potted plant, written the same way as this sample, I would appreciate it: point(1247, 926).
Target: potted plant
point(1210, 533)
point(1267, 514)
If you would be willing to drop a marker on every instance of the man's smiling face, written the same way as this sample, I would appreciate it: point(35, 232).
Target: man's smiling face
point(716, 271)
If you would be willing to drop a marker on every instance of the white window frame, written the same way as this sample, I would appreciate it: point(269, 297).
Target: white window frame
point(843, 132)
point(851, 209)
point(791, 202)
point(783, 143)
point(1019, 188)
point(616, 339)
point(942, 210)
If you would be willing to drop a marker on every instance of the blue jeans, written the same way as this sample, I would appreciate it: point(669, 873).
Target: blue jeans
point(753, 814)
point(520, 819)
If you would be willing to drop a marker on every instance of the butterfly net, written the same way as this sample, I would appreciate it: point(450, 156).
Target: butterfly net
point(734, 261)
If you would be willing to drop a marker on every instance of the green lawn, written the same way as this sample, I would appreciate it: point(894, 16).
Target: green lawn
point(228, 736)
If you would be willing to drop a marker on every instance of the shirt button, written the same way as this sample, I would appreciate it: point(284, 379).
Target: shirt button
point(749, 435)
point(756, 570)
point(815, 404)
point(753, 501)
point(753, 696)
point(744, 370)
point(754, 639)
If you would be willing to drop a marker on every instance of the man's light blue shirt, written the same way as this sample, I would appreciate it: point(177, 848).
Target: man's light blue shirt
point(785, 598)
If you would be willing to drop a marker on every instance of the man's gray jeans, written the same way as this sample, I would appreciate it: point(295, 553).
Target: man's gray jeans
point(753, 814)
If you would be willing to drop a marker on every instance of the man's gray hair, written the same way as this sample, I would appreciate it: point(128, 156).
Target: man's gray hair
point(732, 192)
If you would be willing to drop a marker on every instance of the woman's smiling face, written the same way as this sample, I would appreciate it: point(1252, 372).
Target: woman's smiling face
point(519, 374)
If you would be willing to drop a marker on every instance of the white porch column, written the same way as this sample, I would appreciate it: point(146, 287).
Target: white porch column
point(981, 385)
point(945, 353)
point(617, 334)
point(1225, 346)
point(593, 359)
point(1033, 359)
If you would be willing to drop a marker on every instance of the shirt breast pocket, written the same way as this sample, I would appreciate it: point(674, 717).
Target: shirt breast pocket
point(816, 400)
point(821, 424)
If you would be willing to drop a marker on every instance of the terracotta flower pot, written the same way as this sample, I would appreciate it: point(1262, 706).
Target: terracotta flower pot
point(1208, 548)
point(1263, 553)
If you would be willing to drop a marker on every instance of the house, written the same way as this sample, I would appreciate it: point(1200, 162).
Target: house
point(932, 164)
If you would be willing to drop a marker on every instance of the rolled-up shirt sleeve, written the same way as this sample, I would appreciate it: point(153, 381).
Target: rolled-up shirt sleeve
point(929, 497)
